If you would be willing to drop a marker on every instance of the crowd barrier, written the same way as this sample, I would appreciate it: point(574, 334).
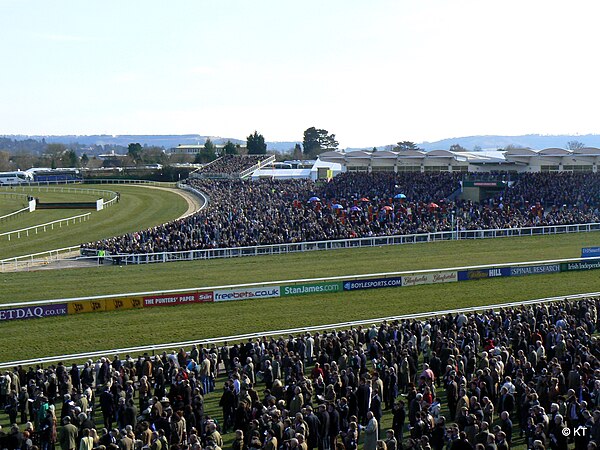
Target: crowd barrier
point(154, 348)
point(287, 288)
point(378, 241)
point(44, 226)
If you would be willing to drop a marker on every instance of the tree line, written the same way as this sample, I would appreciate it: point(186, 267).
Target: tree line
point(23, 154)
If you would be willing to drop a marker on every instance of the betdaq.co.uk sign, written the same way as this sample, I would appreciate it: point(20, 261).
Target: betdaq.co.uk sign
point(246, 294)
point(34, 312)
point(373, 283)
point(464, 275)
point(430, 278)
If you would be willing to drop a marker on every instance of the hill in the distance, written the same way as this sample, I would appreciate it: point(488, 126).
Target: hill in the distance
point(534, 141)
point(485, 142)
point(494, 142)
point(166, 141)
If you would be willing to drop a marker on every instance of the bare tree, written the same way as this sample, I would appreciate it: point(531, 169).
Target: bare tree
point(575, 145)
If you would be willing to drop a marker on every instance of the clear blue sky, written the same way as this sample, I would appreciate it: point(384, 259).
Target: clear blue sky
point(372, 72)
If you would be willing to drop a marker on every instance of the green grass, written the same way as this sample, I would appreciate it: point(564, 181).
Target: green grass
point(9, 204)
point(87, 332)
point(42, 216)
point(114, 280)
point(138, 208)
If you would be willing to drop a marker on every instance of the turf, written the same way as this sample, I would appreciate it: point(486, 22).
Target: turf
point(87, 332)
point(41, 216)
point(10, 204)
point(138, 208)
point(114, 279)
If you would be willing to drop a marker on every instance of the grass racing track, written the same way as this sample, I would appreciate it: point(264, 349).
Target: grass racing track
point(87, 332)
point(139, 207)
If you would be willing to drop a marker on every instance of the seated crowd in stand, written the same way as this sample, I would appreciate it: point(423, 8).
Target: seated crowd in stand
point(232, 164)
point(488, 380)
point(354, 205)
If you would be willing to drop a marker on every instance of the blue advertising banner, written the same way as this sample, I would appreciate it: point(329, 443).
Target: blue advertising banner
point(534, 270)
point(464, 275)
point(590, 252)
point(33, 312)
point(373, 283)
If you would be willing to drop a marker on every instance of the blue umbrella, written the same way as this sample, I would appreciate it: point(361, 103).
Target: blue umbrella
point(337, 206)
point(400, 196)
point(314, 199)
point(355, 208)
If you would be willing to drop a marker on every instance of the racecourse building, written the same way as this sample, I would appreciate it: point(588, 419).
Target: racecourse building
point(513, 160)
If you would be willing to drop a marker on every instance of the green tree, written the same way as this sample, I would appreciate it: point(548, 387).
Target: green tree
point(230, 148)
point(181, 158)
point(70, 159)
point(207, 154)
point(209, 146)
point(297, 154)
point(153, 155)
point(55, 153)
point(4, 160)
point(24, 159)
point(134, 151)
point(457, 148)
point(406, 145)
point(255, 143)
point(317, 141)
point(85, 159)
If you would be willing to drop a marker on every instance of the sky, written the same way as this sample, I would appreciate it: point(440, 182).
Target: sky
point(372, 72)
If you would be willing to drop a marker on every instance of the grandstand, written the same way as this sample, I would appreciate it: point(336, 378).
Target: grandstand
point(354, 205)
point(507, 161)
point(232, 166)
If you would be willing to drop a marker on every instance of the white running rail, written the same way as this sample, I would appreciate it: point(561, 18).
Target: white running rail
point(15, 213)
point(44, 226)
point(237, 338)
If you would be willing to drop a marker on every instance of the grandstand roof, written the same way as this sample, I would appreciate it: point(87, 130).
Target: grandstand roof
point(587, 151)
point(513, 156)
point(554, 152)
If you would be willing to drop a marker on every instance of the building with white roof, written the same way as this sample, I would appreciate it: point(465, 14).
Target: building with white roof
point(512, 160)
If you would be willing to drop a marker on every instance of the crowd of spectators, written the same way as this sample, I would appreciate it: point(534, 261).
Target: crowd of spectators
point(563, 188)
point(247, 213)
point(231, 164)
point(492, 380)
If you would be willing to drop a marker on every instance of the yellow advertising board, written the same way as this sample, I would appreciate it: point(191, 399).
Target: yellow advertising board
point(86, 306)
point(114, 304)
point(105, 304)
